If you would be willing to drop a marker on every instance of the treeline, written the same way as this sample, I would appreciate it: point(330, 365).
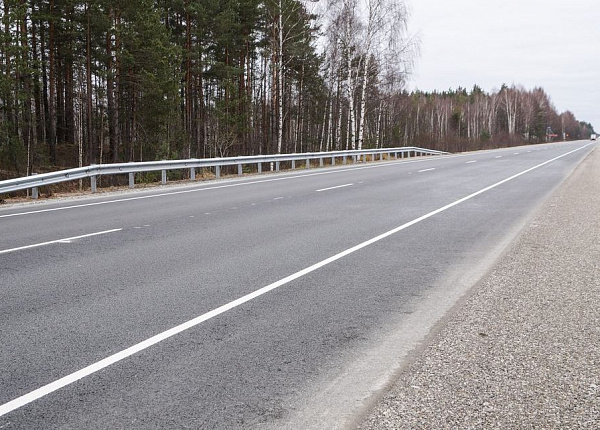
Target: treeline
point(461, 120)
point(103, 81)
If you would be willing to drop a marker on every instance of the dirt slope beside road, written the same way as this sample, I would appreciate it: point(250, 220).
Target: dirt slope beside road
point(524, 349)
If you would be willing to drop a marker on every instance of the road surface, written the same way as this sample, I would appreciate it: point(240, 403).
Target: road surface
point(278, 301)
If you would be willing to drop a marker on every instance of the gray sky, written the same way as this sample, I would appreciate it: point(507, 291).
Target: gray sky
point(553, 44)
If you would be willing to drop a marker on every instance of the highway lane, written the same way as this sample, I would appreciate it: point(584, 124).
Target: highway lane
point(188, 251)
point(259, 190)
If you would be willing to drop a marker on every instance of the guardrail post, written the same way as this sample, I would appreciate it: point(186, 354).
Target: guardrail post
point(93, 183)
point(131, 180)
point(277, 166)
point(293, 164)
point(396, 155)
point(321, 162)
point(34, 191)
point(192, 173)
point(308, 163)
point(217, 172)
point(259, 168)
point(333, 160)
point(240, 172)
point(344, 160)
point(164, 177)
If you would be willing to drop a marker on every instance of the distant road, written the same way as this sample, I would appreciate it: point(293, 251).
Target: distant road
point(272, 301)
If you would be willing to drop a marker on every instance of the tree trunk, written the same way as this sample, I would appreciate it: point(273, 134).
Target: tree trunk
point(279, 68)
point(338, 133)
point(351, 132)
point(89, 123)
point(28, 128)
point(112, 92)
point(188, 81)
point(363, 101)
point(52, 89)
point(39, 113)
point(378, 127)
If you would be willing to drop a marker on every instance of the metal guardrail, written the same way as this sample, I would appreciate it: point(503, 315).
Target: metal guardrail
point(35, 181)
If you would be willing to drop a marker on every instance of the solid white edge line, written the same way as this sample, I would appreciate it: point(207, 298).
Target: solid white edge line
point(472, 161)
point(65, 240)
point(426, 170)
point(334, 188)
point(93, 368)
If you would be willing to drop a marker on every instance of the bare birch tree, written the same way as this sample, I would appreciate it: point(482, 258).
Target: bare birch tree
point(384, 37)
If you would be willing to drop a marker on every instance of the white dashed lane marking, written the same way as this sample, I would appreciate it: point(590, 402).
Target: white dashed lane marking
point(64, 240)
point(334, 188)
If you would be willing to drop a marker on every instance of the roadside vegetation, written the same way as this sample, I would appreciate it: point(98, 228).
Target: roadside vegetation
point(103, 81)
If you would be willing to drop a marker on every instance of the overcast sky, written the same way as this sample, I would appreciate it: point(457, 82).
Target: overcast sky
point(553, 44)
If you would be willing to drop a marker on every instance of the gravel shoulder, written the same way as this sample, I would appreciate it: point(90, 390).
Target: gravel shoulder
point(523, 350)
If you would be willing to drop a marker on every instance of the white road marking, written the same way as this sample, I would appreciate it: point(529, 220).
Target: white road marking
point(278, 198)
point(472, 161)
point(219, 187)
point(426, 170)
point(334, 188)
point(119, 356)
point(516, 153)
point(65, 240)
point(245, 183)
point(498, 156)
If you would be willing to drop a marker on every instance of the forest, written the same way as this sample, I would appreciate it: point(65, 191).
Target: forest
point(103, 81)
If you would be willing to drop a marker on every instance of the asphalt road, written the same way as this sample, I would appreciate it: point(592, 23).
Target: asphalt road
point(83, 280)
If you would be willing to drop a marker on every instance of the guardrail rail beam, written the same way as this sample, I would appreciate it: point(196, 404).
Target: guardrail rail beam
point(93, 172)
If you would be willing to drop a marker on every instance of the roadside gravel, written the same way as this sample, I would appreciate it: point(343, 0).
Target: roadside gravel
point(523, 351)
